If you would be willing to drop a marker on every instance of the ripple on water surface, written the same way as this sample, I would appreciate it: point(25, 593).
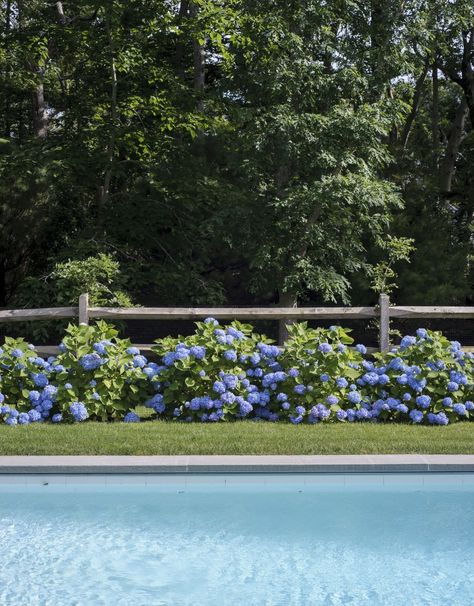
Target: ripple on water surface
point(278, 548)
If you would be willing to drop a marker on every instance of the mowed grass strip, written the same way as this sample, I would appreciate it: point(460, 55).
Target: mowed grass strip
point(246, 437)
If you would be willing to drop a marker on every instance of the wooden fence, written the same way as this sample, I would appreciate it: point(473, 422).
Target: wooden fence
point(383, 313)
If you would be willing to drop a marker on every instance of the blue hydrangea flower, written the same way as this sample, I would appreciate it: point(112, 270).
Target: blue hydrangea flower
point(361, 348)
point(39, 379)
point(181, 353)
point(78, 411)
point(219, 387)
point(452, 386)
point(91, 361)
point(332, 400)
point(11, 420)
point(101, 347)
point(169, 358)
point(341, 415)
point(325, 348)
point(460, 409)
point(296, 419)
point(293, 372)
point(237, 334)
point(34, 396)
point(230, 355)
point(23, 418)
point(212, 321)
point(57, 418)
point(131, 417)
point(17, 353)
point(245, 408)
point(354, 397)
point(46, 405)
point(362, 414)
point(34, 416)
point(139, 361)
point(416, 416)
point(133, 351)
point(299, 389)
point(198, 352)
point(342, 383)
point(407, 342)
point(227, 397)
point(423, 401)
point(324, 377)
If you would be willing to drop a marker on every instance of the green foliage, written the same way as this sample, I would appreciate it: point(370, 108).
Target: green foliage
point(109, 391)
point(194, 376)
point(234, 152)
point(320, 369)
point(434, 364)
point(383, 273)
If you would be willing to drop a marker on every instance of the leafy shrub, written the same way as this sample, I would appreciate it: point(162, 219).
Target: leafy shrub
point(321, 368)
point(224, 373)
point(95, 376)
point(101, 371)
point(209, 375)
point(99, 275)
point(427, 378)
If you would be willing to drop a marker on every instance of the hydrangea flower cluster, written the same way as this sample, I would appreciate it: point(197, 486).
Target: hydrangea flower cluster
point(226, 373)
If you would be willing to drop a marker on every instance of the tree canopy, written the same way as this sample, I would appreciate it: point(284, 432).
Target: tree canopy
point(231, 151)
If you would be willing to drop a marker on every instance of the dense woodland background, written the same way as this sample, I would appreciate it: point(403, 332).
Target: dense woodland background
point(235, 151)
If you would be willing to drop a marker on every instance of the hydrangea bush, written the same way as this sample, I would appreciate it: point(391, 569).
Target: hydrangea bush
point(215, 374)
point(321, 368)
point(229, 372)
point(96, 375)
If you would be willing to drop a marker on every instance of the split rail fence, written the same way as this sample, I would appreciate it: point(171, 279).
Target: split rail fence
point(383, 313)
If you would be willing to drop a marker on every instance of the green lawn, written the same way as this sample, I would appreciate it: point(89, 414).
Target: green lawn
point(167, 438)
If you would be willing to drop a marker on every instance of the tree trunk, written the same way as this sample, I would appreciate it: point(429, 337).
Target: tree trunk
point(456, 135)
point(104, 189)
point(199, 57)
point(414, 108)
point(435, 114)
point(7, 120)
point(285, 299)
point(40, 117)
point(468, 71)
point(182, 14)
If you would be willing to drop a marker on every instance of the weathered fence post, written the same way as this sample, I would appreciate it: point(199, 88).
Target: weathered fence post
point(84, 309)
point(384, 327)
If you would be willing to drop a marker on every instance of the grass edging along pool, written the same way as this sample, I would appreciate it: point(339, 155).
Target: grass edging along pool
point(235, 464)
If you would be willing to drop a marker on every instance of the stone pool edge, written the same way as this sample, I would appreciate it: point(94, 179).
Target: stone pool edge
point(235, 464)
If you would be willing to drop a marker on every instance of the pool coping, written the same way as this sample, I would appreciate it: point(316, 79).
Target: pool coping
point(235, 464)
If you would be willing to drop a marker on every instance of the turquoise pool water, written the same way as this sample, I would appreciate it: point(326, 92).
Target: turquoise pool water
point(237, 541)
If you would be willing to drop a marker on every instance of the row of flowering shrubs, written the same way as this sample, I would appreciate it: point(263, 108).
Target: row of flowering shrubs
point(223, 373)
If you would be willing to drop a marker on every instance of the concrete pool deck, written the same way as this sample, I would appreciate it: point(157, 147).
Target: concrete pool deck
point(235, 464)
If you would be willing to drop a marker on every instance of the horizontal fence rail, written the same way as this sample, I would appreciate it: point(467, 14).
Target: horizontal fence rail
point(231, 313)
point(383, 313)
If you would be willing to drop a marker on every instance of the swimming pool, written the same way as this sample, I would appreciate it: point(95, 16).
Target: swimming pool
point(253, 540)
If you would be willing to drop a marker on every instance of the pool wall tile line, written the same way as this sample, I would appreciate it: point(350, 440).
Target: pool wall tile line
point(344, 464)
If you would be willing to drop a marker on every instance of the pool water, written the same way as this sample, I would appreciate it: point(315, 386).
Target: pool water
point(237, 541)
